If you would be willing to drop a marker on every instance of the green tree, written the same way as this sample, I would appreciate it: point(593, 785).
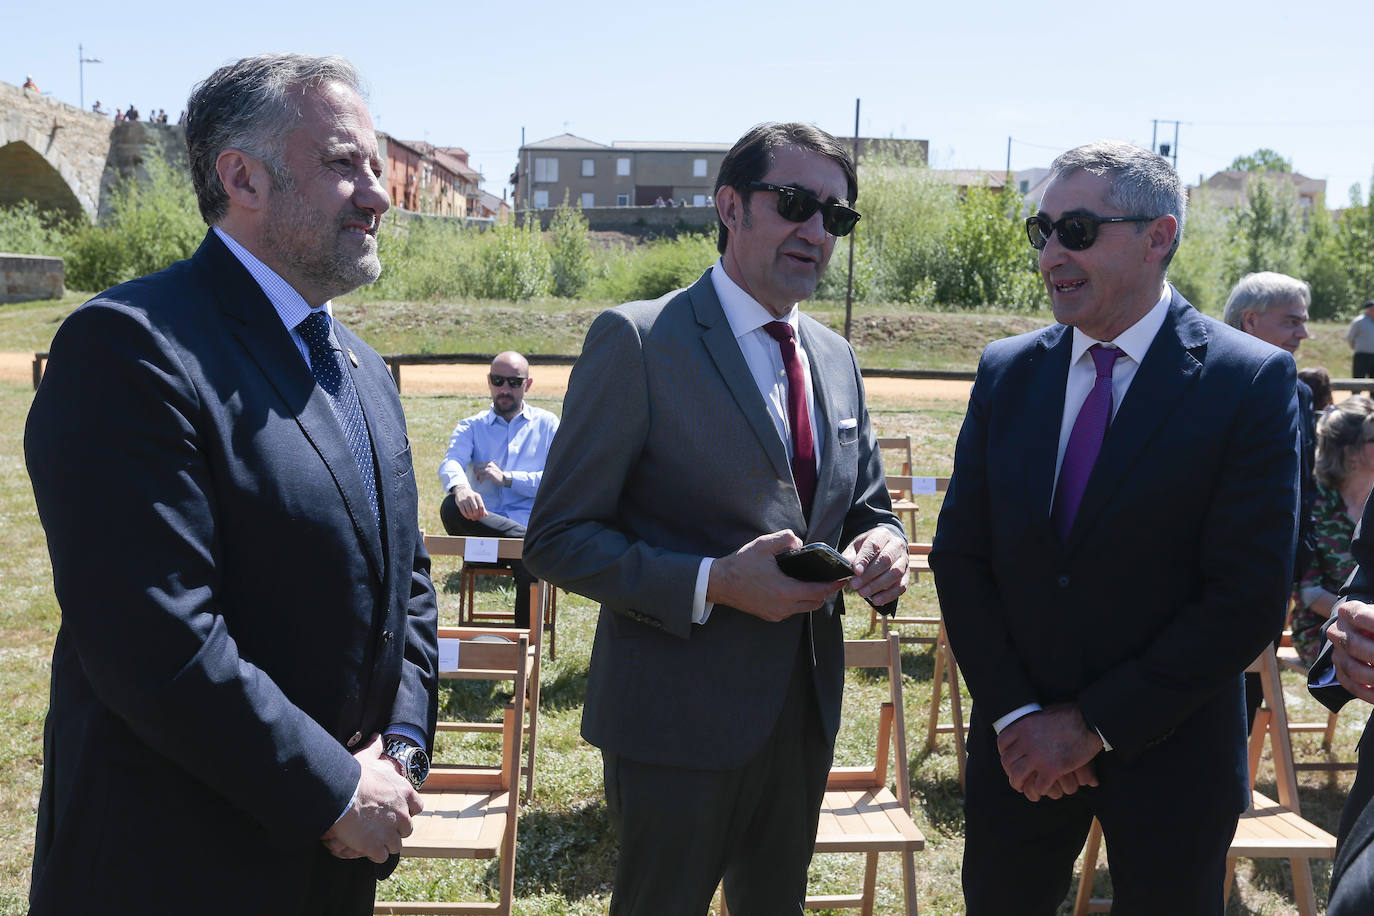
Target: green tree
point(570, 250)
point(24, 229)
point(516, 264)
point(1261, 160)
point(1268, 228)
point(1355, 242)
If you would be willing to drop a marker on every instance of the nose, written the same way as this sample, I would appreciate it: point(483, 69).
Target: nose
point(371, 194)
point(1303, 333)
point(812, 230)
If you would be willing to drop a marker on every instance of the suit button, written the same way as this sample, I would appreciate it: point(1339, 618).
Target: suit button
point(353, 741)
point(1063, 581)
point(386, 637)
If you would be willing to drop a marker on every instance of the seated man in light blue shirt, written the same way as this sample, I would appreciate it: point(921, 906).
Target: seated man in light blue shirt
point(493, 466)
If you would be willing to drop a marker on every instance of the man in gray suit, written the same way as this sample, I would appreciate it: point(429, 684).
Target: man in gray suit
point(698, 441)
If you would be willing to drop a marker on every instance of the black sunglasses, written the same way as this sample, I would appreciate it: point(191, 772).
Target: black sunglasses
point(497, 381)
point(797, 205)
point(1077, 231)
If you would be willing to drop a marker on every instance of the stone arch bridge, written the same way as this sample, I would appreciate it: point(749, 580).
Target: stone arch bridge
point(66, 159)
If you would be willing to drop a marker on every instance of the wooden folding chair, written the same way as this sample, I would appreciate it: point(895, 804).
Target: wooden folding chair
point(1289, 660)
point(451, 545)
point(470, 811)
point(468, 614)
point(902, 503)
point(1268, 829)
point(860, 813)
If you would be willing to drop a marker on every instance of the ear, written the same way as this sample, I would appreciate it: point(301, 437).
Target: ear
point(1248, 321)
point(529, 383)
point(1160, 233)
point(730, 207)
point(245, 179)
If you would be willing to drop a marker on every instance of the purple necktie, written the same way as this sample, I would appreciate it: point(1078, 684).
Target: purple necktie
point(1085, 441)
point(803, 445)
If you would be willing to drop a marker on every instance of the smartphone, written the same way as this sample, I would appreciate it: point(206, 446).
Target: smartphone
point(815, 563)
point(823, 563)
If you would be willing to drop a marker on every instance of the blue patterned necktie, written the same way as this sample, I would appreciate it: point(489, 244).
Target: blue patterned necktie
point(333, 376)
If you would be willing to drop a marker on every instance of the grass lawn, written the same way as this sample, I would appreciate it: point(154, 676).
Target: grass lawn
point(565, 859)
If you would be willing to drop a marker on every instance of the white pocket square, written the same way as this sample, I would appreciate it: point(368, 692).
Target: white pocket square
point(849, 424)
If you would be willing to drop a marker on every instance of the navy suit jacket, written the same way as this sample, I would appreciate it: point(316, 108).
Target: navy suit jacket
point(1176, 571)
point(666, 454)
point(231, 614)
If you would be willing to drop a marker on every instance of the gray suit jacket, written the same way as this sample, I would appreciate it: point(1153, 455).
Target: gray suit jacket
point(666, 454)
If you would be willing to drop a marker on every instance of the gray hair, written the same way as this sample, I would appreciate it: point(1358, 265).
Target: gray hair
point(252, 105)
point(1142, 183)
point(1344, 428)
point(1258, 291)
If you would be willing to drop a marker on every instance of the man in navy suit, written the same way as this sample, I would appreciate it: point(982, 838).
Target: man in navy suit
point(243, 684)
point(703, 434)
point(1115, 547)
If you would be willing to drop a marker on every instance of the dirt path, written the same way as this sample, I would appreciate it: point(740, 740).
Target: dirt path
point(469, 379)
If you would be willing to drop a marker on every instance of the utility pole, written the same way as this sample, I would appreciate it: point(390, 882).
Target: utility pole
point(849, 287)
point(1008, 184)
point(1168, 151)
point(81, 61)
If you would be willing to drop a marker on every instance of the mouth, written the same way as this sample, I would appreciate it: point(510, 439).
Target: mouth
point(359, 225)
point(802, 257)
point(1067, 286)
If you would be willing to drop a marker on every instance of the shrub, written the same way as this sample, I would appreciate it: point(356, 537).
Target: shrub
point(570, 251)
point(655, 268)
point(516, 265)
point(26, 230)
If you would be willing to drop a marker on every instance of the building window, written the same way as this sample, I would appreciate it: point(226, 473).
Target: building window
point(541, 200)
point(546, 170)
point(698, 200)
point(622, 166)
point(622, 200)
point(588, 168)
point(588, 198)
point(698, 168)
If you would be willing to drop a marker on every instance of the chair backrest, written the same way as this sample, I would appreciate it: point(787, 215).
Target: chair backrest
point(451, 545)
point(902, 446)
point(886, 654)
point(489, 655)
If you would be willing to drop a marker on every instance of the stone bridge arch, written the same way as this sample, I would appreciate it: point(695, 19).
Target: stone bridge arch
point(51, 153)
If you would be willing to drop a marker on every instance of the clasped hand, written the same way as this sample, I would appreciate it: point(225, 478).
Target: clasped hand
point(1049, 754)
point(379, 817)
point(1352, 648)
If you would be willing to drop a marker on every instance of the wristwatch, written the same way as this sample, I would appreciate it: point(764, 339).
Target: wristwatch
point(413, 759)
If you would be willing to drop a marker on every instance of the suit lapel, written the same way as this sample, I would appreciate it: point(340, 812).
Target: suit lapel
point(1039, 423)
point(1170, 368)
point(255, 323)
point(720, 343)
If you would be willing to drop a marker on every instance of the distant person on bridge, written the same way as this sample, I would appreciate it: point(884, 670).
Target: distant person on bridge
point(30, 84)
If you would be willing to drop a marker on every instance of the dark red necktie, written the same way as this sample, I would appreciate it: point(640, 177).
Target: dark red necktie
point(1085, 441)
point(803, 445)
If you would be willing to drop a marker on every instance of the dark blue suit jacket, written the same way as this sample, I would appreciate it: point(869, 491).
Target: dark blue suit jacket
point(231, 614)
point(1177, 568)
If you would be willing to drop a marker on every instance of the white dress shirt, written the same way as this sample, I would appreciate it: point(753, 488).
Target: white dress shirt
point(764, 357)
point(1082, 375)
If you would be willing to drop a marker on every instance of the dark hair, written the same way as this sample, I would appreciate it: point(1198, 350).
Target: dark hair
point(749, 158)
point(252, 105)
point(1319, 380)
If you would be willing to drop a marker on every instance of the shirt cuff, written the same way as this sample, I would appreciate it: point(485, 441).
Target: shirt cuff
point(413, 735)
point(351, 800)
point(701, 609)
point(1017, 713)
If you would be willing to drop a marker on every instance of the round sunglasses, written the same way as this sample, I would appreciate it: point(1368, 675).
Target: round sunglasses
point(1077, 231)
point(796, 205)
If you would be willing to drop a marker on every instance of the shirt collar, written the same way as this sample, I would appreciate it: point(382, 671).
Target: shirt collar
point(1133, 341)
point(492, 416)
point(290, 306)
point(742, 310)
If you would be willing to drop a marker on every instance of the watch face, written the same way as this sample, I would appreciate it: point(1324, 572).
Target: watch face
point(419, 766)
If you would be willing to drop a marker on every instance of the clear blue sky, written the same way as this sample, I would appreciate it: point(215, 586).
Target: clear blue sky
point(963, 75)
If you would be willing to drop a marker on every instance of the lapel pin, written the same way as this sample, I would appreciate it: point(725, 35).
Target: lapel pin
point(352, 358)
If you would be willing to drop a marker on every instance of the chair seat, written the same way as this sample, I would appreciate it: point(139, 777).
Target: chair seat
point(861, 820)
point(1269, 830)
point(459, 824)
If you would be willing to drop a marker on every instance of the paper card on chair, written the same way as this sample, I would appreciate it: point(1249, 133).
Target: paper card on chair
point(448, 654)
point(922, 486)
point(483, 550)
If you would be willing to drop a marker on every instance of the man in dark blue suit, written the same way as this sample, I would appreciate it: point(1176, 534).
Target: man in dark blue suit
point(1115, 547)
point(243, 684)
